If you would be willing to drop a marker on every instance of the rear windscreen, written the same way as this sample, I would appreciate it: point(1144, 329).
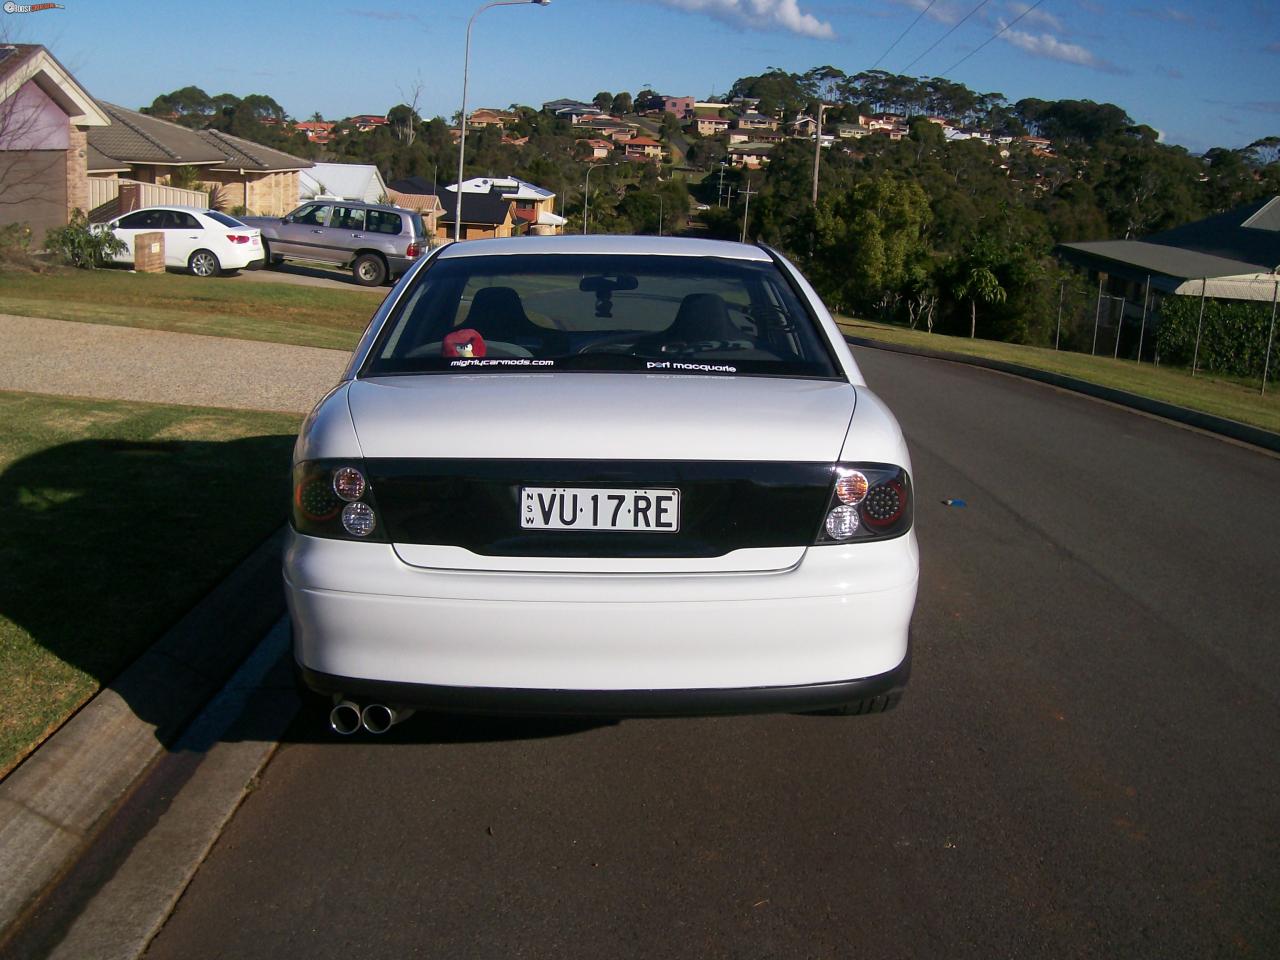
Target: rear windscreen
point(698, 315)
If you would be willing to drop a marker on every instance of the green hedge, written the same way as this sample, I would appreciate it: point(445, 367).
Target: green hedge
point(1233, 341)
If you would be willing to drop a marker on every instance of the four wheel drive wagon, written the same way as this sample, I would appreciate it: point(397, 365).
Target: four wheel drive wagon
point(378, 242)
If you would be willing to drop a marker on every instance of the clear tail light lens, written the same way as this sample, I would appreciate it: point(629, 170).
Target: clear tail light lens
point(869, 501)
point(333, 498)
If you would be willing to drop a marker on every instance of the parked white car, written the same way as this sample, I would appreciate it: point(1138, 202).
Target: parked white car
point(204, 242)
point(601, 476)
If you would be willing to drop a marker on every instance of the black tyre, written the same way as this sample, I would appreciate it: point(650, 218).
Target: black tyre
point(269, 261)
point(369, 270)
point(204, 263)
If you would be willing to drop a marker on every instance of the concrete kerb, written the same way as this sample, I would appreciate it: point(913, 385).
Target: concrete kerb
point(53, 803)
point(1222, 426)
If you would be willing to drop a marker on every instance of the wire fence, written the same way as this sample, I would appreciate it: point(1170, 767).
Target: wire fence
point(1219, 327)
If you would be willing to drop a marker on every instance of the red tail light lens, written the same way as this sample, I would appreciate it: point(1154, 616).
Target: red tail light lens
point(412, 251)
point(237, 238)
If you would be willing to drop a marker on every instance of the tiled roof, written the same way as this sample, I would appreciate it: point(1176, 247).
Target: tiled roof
point(243, 154)
point(99, 162)
point(135, 137)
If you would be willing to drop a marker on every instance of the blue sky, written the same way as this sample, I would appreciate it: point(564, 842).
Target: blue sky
point(1203, 73)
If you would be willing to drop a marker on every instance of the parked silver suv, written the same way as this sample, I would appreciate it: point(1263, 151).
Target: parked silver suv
point(378, 242)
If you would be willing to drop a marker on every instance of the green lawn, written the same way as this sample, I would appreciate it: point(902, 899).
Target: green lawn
point(220, 307)
point(1223, 398)
point(120, 517)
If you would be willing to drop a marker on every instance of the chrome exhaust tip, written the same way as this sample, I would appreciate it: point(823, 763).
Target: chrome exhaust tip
point(379, 717)
point(344, 718)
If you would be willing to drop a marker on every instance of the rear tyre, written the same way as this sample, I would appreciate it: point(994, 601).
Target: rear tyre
point(269, 261)
point(369, 270)
point(204, 263)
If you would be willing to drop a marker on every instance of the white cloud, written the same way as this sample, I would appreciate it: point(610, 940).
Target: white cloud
point(1051, 48)
point(760, 15)
point(1031, 17)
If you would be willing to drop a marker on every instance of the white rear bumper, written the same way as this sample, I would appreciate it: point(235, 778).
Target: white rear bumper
point(359, 612)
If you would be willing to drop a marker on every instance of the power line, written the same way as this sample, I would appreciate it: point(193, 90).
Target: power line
point(904, 33)
point(945, 35)
point(994, 36)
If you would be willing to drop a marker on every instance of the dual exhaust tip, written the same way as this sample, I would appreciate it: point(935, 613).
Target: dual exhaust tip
point(347, 717)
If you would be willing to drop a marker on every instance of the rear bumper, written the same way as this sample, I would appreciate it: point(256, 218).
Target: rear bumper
point(831, 629)
point(509, 701)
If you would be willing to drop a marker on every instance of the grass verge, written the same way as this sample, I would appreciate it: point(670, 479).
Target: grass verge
point(1223, 398)
point(120, 517)
point(246, 310)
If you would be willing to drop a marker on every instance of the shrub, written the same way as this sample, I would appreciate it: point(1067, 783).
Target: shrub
point(15, 237)
point(83, 244)
point(1233, 341)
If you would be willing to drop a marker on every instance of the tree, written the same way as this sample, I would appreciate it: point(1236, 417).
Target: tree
point(975, 278)
point(621, 104)
point(603, 101)
point(403, 121)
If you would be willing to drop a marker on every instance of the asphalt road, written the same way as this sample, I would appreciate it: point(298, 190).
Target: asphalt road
point(1084, 764)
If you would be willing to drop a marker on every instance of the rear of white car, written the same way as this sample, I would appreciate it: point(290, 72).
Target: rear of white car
point(642, 478)
point(203, 242)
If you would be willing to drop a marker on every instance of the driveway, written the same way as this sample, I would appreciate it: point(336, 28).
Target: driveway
point(152, 366)
point(311, 275)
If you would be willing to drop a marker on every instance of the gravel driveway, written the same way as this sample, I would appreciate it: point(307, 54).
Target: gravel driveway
point(125, 363)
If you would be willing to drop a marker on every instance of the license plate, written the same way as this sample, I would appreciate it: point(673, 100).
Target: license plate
point(595, 508)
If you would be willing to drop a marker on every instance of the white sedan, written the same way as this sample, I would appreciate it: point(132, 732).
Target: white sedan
point(601, 476)
point(205, 242)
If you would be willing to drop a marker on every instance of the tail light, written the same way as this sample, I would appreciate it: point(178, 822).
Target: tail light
point(333, 498)
point(238, 237)
point(413, 251)
point(869, 501)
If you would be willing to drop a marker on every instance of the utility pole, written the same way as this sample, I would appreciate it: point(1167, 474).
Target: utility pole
point(720, 189)
point(746, 212)
point(817, 151)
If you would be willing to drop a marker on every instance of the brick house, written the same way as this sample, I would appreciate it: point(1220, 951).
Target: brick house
point(45, 117)
point(245, 174)
point(710, 126)
point(642, 148)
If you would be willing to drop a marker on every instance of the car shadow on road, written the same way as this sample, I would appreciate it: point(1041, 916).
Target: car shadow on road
point(107, 546)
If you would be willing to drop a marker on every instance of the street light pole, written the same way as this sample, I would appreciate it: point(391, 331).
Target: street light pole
point(586, 196)
point(466, 69)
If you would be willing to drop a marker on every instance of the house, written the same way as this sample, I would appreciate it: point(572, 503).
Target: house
point(710, 126)
point(45, 118)
point(682, 107)
point(365, 122)
point(535, 207)
point(483, 214)
point(739, 135)
point(803, 125)
point(558, 106)
point(427, 204)
point(1229, 256)
point(244, 174)
point(752, 156)
point(642, 148)
point(317, 131)
point(486, 117)
point(346, 181)
point(756, 121)
point(596, 149)
point(851, 131)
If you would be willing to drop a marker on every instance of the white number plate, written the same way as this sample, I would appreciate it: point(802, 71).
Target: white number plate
point(594, 508)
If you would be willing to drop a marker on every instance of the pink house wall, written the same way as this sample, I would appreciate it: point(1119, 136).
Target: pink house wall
point(31, 121)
